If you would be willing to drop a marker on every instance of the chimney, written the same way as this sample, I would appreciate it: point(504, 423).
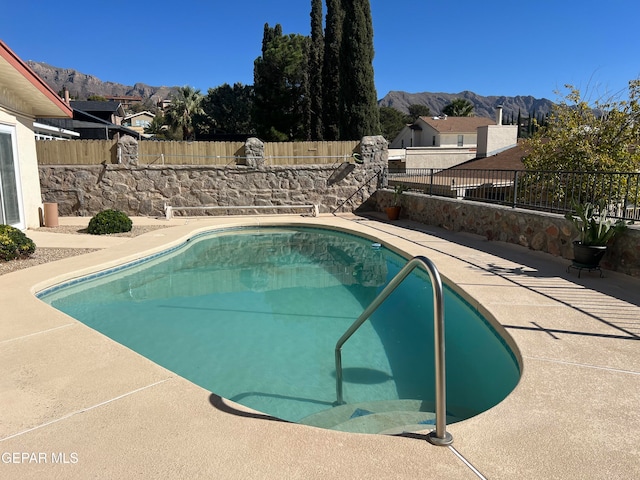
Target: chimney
point(66, 95)
point(499, 115)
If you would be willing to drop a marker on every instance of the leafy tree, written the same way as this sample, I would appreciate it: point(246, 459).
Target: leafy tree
point(316, 56)
point(280, 77)
point(588, 138)
point(146, 105)
point(96, 98)
point(186, 104)
point(459, 107)
point(359, 104)
point(331, 92)
point(227, 110)
point(392, 121)
point(416, 111)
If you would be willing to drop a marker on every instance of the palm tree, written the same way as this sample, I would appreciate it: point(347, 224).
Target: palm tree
point(459, 107)
point(184, 105)
point(156, 126)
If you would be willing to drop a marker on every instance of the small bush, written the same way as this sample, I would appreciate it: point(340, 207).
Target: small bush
point(14, 244)
point(109, 221)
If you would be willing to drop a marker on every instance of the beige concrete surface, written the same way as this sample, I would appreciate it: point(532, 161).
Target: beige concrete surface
point(75, 404)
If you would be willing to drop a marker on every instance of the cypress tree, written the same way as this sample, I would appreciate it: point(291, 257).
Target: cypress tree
point(331, 94)
point(316, 56)
point(280, 101)
point(359, 103)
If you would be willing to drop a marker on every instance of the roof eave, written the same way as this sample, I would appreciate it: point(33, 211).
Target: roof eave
point(29, 81)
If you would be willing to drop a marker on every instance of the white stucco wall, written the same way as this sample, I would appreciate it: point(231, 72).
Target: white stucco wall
point(437, 157)
point(493, 139)
point(27, 162)
point(451, 139)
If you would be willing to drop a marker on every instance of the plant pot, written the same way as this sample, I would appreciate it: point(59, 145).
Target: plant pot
point(588, 256)
point(393, 212)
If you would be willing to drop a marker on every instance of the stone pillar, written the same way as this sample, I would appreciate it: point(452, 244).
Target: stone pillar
point(128, 150)
point(253, 153)
point(374, 149)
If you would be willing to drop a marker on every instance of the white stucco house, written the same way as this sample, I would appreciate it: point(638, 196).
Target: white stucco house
point(23, 97)
point(444, 142)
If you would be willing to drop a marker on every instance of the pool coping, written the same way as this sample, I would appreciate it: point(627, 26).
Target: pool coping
point(573, 415)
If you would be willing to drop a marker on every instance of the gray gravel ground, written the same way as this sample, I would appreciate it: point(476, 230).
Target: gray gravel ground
point(44, 255)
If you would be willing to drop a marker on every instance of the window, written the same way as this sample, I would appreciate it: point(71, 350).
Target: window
point(460, 140)
point(10, 204)
point(433, 141)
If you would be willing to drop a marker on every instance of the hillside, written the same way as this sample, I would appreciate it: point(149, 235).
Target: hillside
point(484, 106)
point(81, 86)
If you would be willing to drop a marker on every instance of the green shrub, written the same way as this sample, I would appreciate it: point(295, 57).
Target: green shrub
point(109, 221)
point(14, 244)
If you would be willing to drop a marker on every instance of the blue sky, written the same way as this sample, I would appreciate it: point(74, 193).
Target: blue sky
point(498, 47)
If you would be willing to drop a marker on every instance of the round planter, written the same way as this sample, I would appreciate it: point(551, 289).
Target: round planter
point(588, 255)
point(393, 212)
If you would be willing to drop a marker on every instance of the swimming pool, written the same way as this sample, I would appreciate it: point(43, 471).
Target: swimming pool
point(253, 314)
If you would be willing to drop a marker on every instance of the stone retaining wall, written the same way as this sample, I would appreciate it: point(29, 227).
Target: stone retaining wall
point(144, 189)
point(541, 231)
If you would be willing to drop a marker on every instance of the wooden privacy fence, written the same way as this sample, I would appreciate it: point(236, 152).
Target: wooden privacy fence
point(76, 152)
point(95, 152)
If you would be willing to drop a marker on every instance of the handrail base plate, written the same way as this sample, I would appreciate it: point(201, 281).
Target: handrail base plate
point(441, 442)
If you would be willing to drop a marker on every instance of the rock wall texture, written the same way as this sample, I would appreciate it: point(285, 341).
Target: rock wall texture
point(144, 190)
point(540, 231)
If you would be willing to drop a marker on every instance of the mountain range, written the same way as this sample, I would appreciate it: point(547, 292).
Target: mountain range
point(81, 86)
point(483, 106)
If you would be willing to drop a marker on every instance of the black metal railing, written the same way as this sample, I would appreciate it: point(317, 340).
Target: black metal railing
point(549, 191)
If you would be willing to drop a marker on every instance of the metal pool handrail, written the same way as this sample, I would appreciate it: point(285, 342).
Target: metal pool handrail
point(440, 436)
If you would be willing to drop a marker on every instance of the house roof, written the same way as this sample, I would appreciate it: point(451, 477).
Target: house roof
point(98, 106)
point(38, 97)
point(145, 113)
point(457, 124)
point(86, 120)
point(510, 159)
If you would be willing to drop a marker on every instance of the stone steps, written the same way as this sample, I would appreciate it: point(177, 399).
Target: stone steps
point(383, 417)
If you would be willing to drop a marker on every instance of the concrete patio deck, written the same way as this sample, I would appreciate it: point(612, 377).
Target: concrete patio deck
point(75, 404)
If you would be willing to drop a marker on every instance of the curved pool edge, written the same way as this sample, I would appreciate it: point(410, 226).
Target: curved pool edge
point(524, 436)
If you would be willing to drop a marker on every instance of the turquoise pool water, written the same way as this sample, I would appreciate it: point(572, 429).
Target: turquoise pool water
point(254, 314)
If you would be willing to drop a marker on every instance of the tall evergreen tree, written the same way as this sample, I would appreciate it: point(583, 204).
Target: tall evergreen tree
point(331, 92)
point(280, 103)
point(227, 110)
point(359, 105)
point(316, 56)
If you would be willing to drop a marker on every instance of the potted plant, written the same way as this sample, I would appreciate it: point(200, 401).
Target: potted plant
point(393, 212)
point(596, 229)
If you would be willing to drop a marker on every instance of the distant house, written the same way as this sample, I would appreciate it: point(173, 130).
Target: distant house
point(138, 121)
point(112, 112)
point(443, 142)
point(94, 120)
point(127, 101)
point(489, 178)
point(23, 98)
